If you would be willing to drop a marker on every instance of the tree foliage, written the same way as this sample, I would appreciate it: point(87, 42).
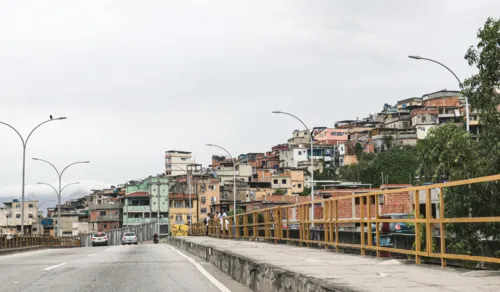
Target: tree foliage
point(483, 90)
point(398, 164)
point(450, 153)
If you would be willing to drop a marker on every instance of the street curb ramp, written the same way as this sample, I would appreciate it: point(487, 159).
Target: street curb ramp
point(257, 276)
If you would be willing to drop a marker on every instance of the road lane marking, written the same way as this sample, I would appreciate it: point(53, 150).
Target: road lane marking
point(204, 272)
point(53, 267)
point(108, 248)
point(92, 254)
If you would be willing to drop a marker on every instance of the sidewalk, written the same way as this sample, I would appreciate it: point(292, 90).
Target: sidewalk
point(334, 271)
point(6, 251)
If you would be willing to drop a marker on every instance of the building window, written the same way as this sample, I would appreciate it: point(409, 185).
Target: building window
point(18, 216)
point(203, 199)
point(283, 181)
point(105, 225)
point(203, 210)
point(177, 204)
point(299, 185)
point(275, 181)
point(30, 205)
point(178, 217)
point(18, 206)
point(300, 152)
point(30, 216)
point(102, 213)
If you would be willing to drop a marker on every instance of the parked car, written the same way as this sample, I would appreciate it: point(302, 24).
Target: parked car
point(399, 227)
point(99, 238)
point(129, 238)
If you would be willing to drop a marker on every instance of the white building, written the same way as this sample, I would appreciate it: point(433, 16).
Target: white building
point(292, 157)
point(176, 162)
point(299, 138)
point(10, 217)
point(226, 172)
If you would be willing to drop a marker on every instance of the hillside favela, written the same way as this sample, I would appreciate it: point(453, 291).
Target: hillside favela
point(250, 146)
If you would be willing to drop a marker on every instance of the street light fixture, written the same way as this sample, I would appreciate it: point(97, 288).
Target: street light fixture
point(25, 143)
point(58, 194)
point(59, 175)
point(416, 57)
point(312, 161)
point(234, 178)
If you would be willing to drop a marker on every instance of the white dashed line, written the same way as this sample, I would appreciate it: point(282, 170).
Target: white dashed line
point(53, 267)
point(91, 254)
point(204, 272)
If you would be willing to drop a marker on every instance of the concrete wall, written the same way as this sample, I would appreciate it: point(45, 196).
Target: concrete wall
point(254, 275)
point(144, 232)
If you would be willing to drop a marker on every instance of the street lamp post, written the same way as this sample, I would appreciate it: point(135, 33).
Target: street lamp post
point(59, 175)
point(58, 194)
point(456, 77)
point(234, 179)
point(312, 161)
point(25, 143)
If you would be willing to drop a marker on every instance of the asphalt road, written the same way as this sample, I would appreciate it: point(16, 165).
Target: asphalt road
point(143, 267)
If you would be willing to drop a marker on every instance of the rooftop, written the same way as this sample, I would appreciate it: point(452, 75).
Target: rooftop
point(177, 151)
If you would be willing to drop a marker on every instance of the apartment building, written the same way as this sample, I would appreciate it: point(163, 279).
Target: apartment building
point(225, 172)
point(10, 217)
point(74, 217)
point(176, 162)
point(106, 209)
point(183, 201)
point(146, 201)
point(292, 156)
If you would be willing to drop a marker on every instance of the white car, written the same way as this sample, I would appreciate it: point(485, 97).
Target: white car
point(129, 238)
point(99, 238)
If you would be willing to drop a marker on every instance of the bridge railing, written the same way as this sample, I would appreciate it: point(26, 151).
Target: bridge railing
point(19, 241)
point(370, 223)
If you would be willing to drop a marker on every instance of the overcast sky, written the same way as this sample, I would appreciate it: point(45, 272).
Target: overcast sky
point(137, 78)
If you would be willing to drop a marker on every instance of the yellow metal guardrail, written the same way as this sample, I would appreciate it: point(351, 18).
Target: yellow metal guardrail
point(17, 241)
point(274, 224)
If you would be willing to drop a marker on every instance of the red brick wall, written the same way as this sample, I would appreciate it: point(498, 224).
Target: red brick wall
point(109, 226)
point(441, 102)
point(424, 111)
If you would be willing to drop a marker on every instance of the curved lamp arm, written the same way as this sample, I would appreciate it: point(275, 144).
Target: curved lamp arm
point(42, 183)
point(55, 168)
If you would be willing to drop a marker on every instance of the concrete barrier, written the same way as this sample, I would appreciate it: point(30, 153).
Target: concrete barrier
point(256, 276)
point(144, 233)
point(8, 251)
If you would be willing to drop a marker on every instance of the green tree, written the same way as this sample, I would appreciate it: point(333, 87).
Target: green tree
point(399, 164)
point(280, 192)
point(358, 150)
point(449, 152)
point(306, 192)
point(483, 90)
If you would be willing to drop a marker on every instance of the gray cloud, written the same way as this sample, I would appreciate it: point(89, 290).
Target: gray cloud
point(136, 79)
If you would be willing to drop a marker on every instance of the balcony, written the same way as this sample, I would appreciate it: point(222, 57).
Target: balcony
point(136, 208)
point(105, 206)
point(129, 221)
point(108, 218)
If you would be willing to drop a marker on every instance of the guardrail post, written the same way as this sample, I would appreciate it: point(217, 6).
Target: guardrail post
point(417, 228)
point(428, 215)
point(441, 227)
point(362, 223)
